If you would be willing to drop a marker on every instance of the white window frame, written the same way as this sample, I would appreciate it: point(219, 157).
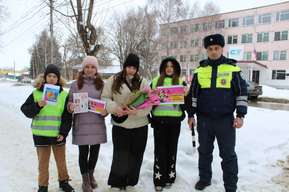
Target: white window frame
point(164, 45)
point(263, 17)
point(248, 37)
point(248, 19)
point(174, 30)
point(165, 32)
point(195, 43)
point(183, 58)
point(278, 74)
point(261, 55)
point(234, 22)
point(183, 44)
point(282, 15)
point(220, 24)
point(234, 38)
point(174, 45)
point(194, 58)
point(279, 55)
point(247, 55)
point(266, 34)
point(283, 34)
point(184, 29)
point(195, 27)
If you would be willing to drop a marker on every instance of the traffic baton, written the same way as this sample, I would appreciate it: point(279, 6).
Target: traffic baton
point(193, 139)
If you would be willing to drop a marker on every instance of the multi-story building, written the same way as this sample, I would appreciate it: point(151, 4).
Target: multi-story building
point(257, 38)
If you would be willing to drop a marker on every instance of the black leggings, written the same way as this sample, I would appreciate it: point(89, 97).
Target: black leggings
point(85, 162)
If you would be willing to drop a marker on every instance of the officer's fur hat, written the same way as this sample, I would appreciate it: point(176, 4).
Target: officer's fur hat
point(215, 39)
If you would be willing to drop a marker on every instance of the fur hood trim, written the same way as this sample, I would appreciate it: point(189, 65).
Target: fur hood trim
point(39, 81)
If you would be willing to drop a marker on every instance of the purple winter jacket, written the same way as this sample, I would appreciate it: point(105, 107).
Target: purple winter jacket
point(88, 128)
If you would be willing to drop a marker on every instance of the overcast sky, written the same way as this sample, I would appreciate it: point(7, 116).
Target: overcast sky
point(25, 24)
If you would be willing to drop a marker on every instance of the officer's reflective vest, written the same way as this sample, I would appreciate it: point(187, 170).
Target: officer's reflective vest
point(224, 76)
point(48, 121)
point(167, 110)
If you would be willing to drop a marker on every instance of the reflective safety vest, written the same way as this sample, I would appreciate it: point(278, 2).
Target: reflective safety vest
point(224, 76)
point(48, 121)
point(166, 110)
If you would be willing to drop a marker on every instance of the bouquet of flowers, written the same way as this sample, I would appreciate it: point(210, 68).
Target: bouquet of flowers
point(148, 98)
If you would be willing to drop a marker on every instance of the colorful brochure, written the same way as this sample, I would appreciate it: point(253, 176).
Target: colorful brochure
point(50, 94)
point(95, 105)
point(171, 94)
point(81, 102)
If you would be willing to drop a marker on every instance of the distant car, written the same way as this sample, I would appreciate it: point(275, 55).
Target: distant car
point(254, 90)
point(26, 80)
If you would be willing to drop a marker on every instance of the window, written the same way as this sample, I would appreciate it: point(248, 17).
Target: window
point(248, 38)
point(220, 24)
point(263, 37)
point(194, 58)
point(192, 71)
point(164, 32)
point(262, 56)
point(174, 30)
point(264, 18)
point(207, 26)
point(204, 56)
point(282, 15)
point(279, 55)
point(184, 72)
point(184, 29)
point(195, 43)
point(195, 27)
point(233, 39)
point(249, 20)
point(281, 35)
point(233, 22)
point(247, 56)
point(163, 57)
point(175, 56)
point(183, 58)
point(279, 74)
point(174, 45)
point(183, 44)
point(164, 45)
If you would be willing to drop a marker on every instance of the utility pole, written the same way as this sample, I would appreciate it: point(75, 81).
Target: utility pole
point(51, 29)
point(14, 70)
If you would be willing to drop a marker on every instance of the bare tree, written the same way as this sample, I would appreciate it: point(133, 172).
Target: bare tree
point(85, 28)
point(168, 11)
point(125, 34)
point(40, 54)
point(3, 15)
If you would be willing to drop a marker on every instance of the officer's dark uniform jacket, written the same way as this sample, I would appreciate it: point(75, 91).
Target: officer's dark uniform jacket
point(218, 89)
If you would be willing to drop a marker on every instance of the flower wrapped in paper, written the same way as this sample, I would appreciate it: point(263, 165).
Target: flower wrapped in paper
point(131, 98)
point(146, 99)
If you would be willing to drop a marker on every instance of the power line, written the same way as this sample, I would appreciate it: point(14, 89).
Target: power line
point(20, 20)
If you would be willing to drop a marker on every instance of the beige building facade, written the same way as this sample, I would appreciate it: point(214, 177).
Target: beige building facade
point(257, 38)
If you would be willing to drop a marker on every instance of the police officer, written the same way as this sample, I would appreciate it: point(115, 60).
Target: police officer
point(218, 89)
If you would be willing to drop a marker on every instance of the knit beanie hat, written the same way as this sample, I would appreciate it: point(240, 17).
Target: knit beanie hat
point(89, 60)
point(51, 68)
point(132, 60)
point(215, 39)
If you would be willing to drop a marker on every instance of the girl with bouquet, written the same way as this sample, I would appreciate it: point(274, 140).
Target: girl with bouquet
point(166, 121)
point(129, 134)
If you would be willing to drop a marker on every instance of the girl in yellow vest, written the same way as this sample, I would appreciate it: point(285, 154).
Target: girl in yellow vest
point(166, 121)
point(50, 126)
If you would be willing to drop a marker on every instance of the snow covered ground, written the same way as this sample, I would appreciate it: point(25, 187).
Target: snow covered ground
point(262, 147)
